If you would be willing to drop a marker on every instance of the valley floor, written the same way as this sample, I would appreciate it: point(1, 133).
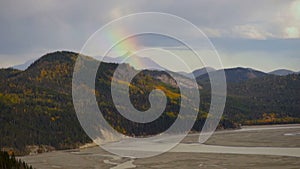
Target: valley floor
point(264, 147)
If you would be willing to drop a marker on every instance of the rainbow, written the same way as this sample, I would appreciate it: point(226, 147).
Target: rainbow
point(126, 48)
point(129, 45)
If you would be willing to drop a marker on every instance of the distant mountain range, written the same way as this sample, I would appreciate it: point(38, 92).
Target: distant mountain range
point(198, 72)
point(25, 65)
point(136, 61)
point(283, 72)
point(234, 75)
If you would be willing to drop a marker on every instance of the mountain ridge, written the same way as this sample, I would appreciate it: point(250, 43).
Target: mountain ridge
point(36, 104)
point(148, 62)
point(282, 72)
point(234, 75)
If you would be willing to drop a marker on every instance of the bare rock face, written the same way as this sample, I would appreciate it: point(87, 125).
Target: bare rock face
point(166, 79)
point(183, 81)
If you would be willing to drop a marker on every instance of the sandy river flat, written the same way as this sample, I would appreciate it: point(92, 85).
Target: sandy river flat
point(251, 147)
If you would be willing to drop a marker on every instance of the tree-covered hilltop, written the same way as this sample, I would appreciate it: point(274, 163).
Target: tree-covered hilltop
point(261, 99)
point(267, 100)
point(36, 105)
point(10, 162)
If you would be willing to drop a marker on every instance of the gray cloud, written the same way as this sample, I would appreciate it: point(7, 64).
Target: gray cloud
point(32, 27)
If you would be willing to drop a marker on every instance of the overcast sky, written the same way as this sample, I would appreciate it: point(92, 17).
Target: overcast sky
point(264, 35)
